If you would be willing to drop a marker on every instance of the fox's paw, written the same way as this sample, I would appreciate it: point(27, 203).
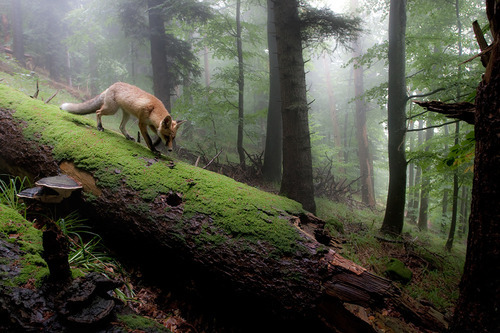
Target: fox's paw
point(100, 128)
point(130, 138)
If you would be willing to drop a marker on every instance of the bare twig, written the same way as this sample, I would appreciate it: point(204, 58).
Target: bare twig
point(50, 98)
point(35, 96)
point(213, 159)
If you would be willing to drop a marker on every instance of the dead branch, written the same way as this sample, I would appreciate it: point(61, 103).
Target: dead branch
point(463, 111)
point(35, 95)
point(50, 98)
point(213, 159)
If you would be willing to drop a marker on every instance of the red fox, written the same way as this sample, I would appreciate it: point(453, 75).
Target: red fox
point(133, 101)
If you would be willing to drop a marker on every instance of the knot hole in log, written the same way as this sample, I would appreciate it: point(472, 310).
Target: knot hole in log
point(174, 199)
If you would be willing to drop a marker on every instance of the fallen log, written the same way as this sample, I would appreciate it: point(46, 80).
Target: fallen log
point(253, 254)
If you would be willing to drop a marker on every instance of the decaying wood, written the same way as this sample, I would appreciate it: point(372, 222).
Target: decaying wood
point(317, 286)
point(463, 111)
point(35, 95)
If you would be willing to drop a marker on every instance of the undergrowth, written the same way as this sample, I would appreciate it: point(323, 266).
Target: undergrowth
point(87, 254)
point(436, 272)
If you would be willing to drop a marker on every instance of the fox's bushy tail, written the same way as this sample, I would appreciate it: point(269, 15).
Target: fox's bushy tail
point(87, 107)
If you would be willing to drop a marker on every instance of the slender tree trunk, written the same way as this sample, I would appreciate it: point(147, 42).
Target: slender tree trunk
point(17, 31)
point(241, 85)
point(332, 107)
point(453, 224)
point(273, 155)
point(413, 209)
point(297, 181)
point(93, 75)
point(207, 68)
point(424, 190)
point(478, 305)
point(161, 83)
point(411, 176)
point(444, 204)
point(394, 212)
point(364, 156)
point(464, 211)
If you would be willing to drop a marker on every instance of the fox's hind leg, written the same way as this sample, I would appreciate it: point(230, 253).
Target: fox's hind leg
point(109, 107)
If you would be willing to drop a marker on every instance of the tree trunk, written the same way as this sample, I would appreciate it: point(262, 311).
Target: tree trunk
point(411, 180)
point(396, 120)
point(241, 85)
point(246, 252)
point(424, 189)
point(414, 208)
point(333, 110)
point(17, 32)
point(297, 180)
point(273, 155)
point(464, 211)
point(93, 72)
point(479, 301)
point(444, 204)
point(364, 156)
point(453, 225)
point(161, 83)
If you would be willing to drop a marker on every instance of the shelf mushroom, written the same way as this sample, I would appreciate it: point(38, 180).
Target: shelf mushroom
point(51, 189)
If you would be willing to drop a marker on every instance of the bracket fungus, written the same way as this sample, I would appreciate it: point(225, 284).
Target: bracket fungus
point(51, 189)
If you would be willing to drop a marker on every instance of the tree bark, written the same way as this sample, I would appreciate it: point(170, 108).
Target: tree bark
point(479, 301)
point(17, 29)
point(297, 180)
point(161, 83)
point(424, 190)
point(273, 154)
point(309, 285)
point(453, 224)
point(396, 120)
point(364, 156)
point(412, 197)
point(241, 85)
point(478, 305)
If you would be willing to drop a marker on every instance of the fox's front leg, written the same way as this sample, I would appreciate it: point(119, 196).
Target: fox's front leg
point(144, 131)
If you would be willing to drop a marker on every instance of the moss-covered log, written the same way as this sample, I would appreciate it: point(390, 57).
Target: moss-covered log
point(244, 247)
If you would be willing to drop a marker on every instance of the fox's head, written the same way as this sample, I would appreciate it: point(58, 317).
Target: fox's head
point(168, 130)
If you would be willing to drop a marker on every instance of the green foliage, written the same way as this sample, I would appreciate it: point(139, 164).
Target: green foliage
point(134, 322)
point(318, 25)
point(9, 188)
point(461, 153)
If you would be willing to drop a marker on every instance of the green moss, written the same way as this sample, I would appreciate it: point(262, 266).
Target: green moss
point(396, 270)
point(134, 322)
point(238, 209)
point(17, 230)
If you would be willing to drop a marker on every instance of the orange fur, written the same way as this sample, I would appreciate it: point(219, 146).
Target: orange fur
point(148, 109)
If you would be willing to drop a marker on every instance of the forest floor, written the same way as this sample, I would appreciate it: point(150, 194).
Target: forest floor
point(435, 272)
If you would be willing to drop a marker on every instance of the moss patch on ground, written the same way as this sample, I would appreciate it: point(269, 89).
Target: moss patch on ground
point(238, 209)
point(16, 229)
point(134, 322)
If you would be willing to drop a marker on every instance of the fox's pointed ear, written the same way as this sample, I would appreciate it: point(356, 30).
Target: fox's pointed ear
point(179, 122)
point(167, 121)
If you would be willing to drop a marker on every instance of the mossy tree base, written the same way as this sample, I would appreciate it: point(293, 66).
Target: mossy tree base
point(240, 246)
